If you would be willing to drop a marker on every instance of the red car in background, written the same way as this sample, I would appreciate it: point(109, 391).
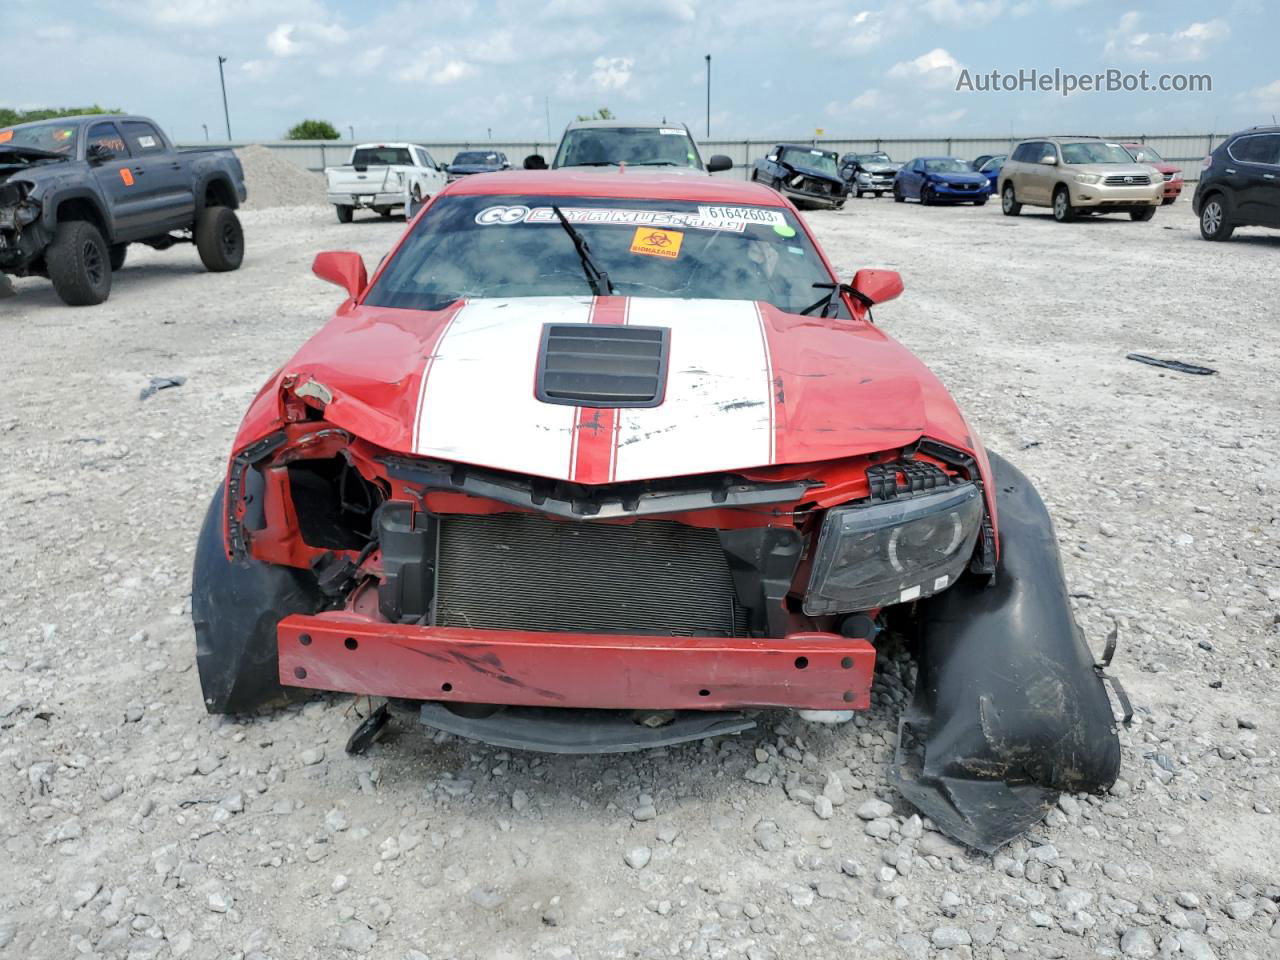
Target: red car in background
point(1145, 153)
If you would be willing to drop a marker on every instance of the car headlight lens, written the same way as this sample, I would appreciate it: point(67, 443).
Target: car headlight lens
point(1087, 178)
point(864, 177)
point(797, 181)
point(884, 552)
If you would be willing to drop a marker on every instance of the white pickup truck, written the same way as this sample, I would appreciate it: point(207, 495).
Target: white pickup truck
point(382, 176)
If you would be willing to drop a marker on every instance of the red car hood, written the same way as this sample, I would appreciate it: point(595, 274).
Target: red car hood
point(747, 386)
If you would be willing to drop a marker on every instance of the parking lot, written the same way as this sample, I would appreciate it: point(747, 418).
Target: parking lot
point(136, 825)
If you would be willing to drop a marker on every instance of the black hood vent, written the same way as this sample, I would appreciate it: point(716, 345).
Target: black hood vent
point(589, 365)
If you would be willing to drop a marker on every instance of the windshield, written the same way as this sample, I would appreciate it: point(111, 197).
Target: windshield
point(375, 156)
point(53, 137)
point(480, 159)
point(1145, 154)
point(1095, 152)
point(634, 146)
point(874, 158)
point(947, 165)
point(817, 160)
point(515, 246)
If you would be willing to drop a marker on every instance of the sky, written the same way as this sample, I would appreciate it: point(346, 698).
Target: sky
point(471, 69)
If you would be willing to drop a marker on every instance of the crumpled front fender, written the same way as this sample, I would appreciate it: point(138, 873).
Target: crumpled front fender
point(1010, 708)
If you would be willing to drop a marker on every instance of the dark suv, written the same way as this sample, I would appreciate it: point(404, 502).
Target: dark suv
point(1240, 184)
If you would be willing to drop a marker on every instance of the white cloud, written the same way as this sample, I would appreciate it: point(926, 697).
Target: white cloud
point(436, 68)
point(867, 29)
point(1127, 40)
point(964, 12)
point(1264, 99)
point(280, 41)
point(866, 102)
point(611, 73)
point(937, 68)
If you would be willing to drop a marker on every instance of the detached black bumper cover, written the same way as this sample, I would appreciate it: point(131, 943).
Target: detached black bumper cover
point(1009, 707)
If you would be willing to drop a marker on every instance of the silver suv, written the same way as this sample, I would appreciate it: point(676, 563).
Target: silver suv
point(1078, 175)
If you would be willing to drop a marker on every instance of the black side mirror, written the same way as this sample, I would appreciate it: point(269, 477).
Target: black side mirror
point(535, 161)
point(97, 153)
point(444, 167)
point(718, 162)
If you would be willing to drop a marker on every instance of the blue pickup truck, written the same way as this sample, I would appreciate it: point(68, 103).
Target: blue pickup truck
point(76, 191)
point(806, 175)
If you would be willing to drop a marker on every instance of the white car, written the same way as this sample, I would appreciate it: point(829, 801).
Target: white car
point(383, 176)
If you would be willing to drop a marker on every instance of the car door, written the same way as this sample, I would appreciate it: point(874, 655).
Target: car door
point(1042, 173)
point(912, 175)
point(166, 187)
point(434, 178)
point(1254, 173)
point(112, 164)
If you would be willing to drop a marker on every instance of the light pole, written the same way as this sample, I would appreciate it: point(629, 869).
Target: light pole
point(223, 80)
point(352, 131)
point(708, 96)
point(206, 132)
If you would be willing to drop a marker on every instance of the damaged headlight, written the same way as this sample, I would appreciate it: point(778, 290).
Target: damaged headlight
point(884, 552)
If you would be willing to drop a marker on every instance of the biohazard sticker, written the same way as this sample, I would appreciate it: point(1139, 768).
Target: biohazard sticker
point(657, 243)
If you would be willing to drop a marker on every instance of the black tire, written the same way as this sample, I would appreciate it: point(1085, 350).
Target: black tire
point(1142, 214)
point(878, 194)
point(1167, 200)
point(235, 609)
point(755, 176)
point(79, 264)
point(1063, 212)
point(1008, 201)
point(118, 253)
point(345, 213)
point(219, 239)
point(897, 195)
point(383, 212)
point(1215, 218)
point(981, 201)
point(926, 196)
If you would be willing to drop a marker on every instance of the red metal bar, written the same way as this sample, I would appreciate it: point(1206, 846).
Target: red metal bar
point(341, 651)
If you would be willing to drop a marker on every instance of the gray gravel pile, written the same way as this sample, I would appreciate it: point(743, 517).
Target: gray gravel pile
point(274, 181)
point(132, 825)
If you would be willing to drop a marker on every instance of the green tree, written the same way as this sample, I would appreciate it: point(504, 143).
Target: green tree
point(313, 130)
point(604, 113)
point(10, 117)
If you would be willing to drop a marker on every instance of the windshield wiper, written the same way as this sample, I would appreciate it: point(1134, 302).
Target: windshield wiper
point(593, 163)
point(832, 289)
point(656, 163)
point(596, 278)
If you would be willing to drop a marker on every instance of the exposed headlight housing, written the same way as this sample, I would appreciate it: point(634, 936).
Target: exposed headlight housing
point(883, 552)
point(1087, 178)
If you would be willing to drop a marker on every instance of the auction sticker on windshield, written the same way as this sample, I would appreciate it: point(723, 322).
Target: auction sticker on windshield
point(748, 215)
point(657, 243)
point(518, 213)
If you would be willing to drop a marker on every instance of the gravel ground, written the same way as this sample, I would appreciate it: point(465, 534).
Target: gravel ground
point(274, 181)
point(135, 825)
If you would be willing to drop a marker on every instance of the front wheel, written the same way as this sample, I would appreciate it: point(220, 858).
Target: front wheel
point(897, 194)
point(79, 264)
point(1008, 202)
point(1143, 214)
point(1215, 223)
point(1062, 211)
point(926, 196)
point(219, 239)
point(344, 212)
point(877, 194)
point(118, 251)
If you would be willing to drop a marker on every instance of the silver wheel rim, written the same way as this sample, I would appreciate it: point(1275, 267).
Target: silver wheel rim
point(1212, 217)
point(1007, 199)
point(1060, 205)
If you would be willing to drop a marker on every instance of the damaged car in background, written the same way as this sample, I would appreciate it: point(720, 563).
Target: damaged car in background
point(806, 176)
point(75, 192)
point(602, 464)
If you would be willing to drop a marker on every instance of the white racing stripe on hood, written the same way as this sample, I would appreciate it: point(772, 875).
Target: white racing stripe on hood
point(478, 404)
point(718, 410)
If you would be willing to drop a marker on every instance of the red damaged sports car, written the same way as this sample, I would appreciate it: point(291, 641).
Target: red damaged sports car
point(601, 463)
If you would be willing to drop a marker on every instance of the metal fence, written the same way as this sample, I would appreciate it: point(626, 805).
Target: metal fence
point(1185, 150)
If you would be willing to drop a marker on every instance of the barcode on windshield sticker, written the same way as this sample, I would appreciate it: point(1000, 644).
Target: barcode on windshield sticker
point(747, 215)
point(671, 132)
point(609, 216)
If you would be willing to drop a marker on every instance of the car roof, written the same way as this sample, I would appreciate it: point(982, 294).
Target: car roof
point(625, 184)
point(83, 118)
point(805, 146)
point(615, 124)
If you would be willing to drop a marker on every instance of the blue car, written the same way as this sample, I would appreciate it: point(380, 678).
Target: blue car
point(940, 180)
point(990, 168)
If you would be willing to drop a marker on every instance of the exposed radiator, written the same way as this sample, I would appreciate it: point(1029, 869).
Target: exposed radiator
point(523, 571)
